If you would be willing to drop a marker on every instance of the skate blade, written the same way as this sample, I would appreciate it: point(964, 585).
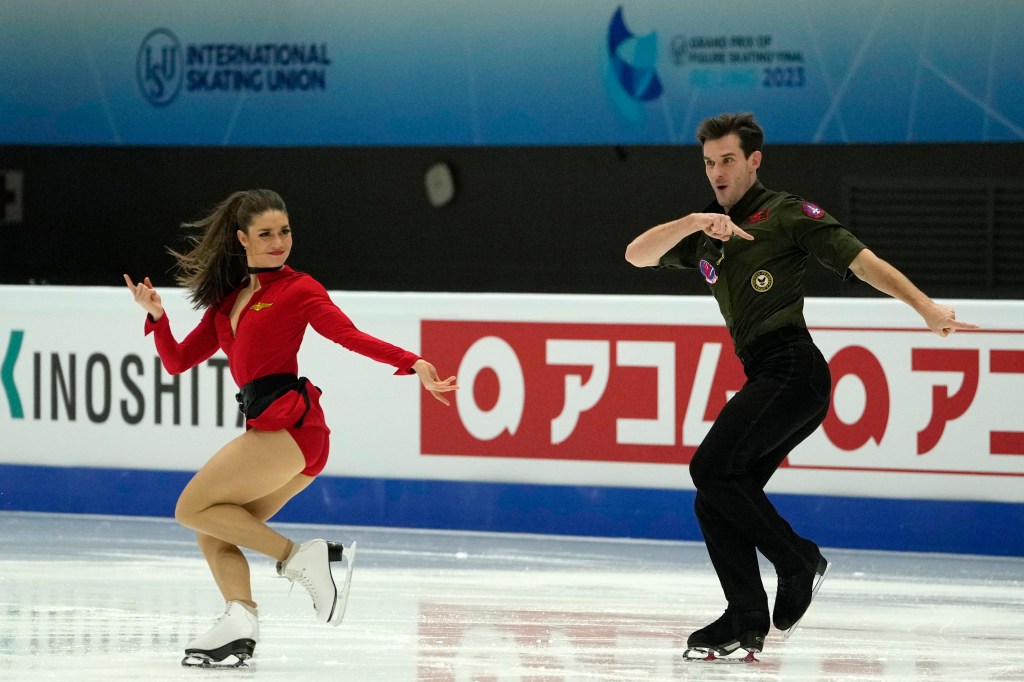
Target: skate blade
point(231, 655)
point(700, 655)
point(199, 661)
point(814, 590)
point(341, 603)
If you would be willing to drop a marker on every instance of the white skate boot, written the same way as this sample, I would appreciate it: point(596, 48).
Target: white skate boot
point(310, 567)
point(234, 635)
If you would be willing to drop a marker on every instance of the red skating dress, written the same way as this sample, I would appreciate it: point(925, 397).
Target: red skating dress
point(266, 342)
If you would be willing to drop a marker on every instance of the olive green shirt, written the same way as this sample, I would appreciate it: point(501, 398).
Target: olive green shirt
point(759, 284)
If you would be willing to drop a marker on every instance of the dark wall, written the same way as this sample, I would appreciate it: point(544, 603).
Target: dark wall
point(524, 219)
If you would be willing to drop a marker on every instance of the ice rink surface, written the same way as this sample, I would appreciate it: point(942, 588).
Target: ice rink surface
point(105, 598)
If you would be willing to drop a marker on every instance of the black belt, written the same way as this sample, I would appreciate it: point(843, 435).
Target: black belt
point(257, 395)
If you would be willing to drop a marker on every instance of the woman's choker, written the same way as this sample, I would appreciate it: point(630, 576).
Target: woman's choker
point(256, 271)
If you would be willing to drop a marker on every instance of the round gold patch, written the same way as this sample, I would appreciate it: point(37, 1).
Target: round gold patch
point(762, 281)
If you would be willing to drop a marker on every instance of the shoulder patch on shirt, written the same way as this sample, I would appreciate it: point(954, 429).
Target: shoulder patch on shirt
point(813, 210)
point(760, 215)
point(260, 306)
point(708, 270)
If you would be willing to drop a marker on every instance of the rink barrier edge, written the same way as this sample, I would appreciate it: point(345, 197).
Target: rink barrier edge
point(955, 526)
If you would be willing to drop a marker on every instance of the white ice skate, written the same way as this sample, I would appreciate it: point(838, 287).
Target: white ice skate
point(310, 567)
point(228, 643)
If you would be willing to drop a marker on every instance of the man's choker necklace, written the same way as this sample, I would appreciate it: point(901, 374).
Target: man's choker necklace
point(256, 271)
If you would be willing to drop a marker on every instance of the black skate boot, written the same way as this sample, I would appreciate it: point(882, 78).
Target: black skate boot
point(734, 630)
point(794, 595)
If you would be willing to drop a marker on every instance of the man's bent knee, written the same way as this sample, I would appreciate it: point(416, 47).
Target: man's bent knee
point(703, 471)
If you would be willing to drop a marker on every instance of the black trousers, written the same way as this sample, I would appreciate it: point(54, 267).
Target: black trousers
point(784, 399)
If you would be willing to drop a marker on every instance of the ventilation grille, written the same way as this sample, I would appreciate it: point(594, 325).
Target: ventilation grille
point(948, 236)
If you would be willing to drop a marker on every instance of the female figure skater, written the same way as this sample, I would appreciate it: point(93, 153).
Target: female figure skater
point(256, 311)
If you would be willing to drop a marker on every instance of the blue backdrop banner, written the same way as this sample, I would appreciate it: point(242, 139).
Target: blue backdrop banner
point(483, 72)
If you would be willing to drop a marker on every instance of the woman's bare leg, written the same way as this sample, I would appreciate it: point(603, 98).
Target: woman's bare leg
point(230, 498)
point(227, 563)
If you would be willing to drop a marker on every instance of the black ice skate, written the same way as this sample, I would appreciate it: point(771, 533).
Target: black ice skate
point(795, 594)
point(735, 630)
point(310, 567)
point(228, 644)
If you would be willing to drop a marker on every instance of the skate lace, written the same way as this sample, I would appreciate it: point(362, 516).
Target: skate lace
point(220, 619)
point(300, 577)
point(786, 586)
point(222, 616)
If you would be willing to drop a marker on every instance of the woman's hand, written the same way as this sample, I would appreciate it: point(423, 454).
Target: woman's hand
point(433, 383)
point(146, 296)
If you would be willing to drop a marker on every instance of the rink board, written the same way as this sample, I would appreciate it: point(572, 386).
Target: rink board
point(577, 415)
point(851, 522)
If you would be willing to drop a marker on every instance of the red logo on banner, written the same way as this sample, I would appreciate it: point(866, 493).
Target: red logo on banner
point(602, 392)
point(649, 393)
point(861, 363)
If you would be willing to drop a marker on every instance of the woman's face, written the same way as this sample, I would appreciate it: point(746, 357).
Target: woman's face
point(268, 241)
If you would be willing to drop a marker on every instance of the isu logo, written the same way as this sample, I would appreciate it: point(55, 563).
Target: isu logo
point(159, 67)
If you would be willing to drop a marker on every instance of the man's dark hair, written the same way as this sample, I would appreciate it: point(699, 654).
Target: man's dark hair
point(743, 124)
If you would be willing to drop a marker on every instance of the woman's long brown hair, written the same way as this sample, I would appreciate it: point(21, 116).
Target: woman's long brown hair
point(216, 263)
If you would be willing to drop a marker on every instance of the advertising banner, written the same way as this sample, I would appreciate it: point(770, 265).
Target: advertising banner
point(481, 72)
point(555, 390)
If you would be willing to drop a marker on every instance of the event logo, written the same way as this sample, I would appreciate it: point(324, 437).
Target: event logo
point(631, 74)
point(159, 67)
point(633, 59)
point(736, 62)
point(165, 66)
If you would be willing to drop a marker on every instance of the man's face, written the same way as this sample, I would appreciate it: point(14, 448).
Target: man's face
point(730, 173)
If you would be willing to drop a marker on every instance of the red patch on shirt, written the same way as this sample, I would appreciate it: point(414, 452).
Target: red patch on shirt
point(759, 216)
